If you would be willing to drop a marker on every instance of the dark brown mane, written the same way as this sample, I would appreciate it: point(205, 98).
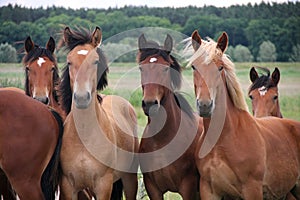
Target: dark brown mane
point(34, 54)
point(263, 80)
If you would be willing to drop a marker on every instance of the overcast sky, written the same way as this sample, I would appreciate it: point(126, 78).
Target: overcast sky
point(120, 3)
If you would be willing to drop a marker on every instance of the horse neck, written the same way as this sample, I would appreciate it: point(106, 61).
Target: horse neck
point(278, 112)
point(92, 114)
point(173, 117)
point(232, 113)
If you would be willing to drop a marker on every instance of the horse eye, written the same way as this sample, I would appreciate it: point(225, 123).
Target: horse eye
point(193, 67)
point(141, 69)
point(27, 69)
point(275, 98)
point(221, 68)
point(52, 69)
point(96, 62)
point(251, 97)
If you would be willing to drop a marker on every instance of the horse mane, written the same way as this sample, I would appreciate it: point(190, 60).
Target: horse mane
point(208, 48)
point(155, 49)
point(35, 54)
point(262, 80)
point(183, 104)
point(81, 37)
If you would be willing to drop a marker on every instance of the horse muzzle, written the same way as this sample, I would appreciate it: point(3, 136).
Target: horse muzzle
point(82, 100)
point(204, 108)
point(150, 107)
point(43, 99)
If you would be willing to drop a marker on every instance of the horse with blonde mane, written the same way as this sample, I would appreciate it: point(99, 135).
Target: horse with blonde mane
point(239, 155)
point(100, 139)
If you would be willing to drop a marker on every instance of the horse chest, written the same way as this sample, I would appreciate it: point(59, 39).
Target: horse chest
point(216, 171)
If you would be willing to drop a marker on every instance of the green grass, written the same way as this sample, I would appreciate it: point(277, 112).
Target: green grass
point(124, 80)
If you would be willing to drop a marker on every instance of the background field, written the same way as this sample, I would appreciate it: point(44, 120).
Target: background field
point(124, 80)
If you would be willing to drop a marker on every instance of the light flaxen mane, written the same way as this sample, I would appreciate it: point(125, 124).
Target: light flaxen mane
point(209, 51)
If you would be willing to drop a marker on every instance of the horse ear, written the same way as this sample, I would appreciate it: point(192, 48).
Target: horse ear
point(50, 45)
point(142, 42)
point(253, 74)
point(97, 37)
point(168, 45)
point(29, 45)
point(223, 42)
point(67, 35)
point(276, 76)
point(196, 40)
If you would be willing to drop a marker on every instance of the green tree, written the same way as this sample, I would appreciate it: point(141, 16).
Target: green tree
point(8, 53)
point(242, 54)
point(295, 57)
point(267, 52)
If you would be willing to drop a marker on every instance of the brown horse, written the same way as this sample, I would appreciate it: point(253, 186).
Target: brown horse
point(41, 73)
point(30, 141)
point(263, 93)
point(169, 139)
point(99, 142)
point(239, 155)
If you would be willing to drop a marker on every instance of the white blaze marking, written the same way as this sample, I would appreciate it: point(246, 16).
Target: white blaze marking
point(153, 59)
point(82, 52)
point(262, 91)
point(41, 61)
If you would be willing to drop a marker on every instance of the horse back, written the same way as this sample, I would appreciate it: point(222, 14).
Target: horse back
point(29, 128)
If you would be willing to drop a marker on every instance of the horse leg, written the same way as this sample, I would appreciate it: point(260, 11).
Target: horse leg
point(103, 187)
point(153, 192)
point(253, 189)
point(206, 192)
point(6, 188)
point(130, 184)
point(188, 188)
point(29, 190)
point(296, 191)
point(66, 190)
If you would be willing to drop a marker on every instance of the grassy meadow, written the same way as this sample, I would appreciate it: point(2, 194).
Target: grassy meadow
point(124, 80)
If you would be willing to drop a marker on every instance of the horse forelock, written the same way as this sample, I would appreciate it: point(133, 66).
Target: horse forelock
point(38, 52)
point(264, 80)
point(175, 73)
point(209, 52)
point(78, 36)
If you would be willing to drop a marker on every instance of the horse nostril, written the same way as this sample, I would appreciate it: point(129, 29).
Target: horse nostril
point(143, 103)
point(46, 101)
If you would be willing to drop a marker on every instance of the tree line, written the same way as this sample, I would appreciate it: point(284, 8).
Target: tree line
point(248, 26)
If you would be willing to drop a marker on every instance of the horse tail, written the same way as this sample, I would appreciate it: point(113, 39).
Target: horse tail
point(53, 171)
point(117, 192)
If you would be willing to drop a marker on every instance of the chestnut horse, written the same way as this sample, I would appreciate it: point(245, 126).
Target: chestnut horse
point(100, 141)
point(170, 137)
point(263, 93)
point(30, 141)
point(239, 155)
point(41, 73)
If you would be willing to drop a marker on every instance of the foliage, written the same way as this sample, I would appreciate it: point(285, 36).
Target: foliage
point(8, 53)
point(242, 54)
point(267, 52)
point(295, 57)
point(248, 25)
